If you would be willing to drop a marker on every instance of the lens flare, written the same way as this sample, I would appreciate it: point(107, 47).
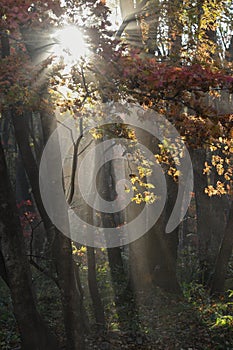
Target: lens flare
point(70, 42)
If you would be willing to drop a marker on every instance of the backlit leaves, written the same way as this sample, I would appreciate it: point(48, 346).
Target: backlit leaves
point(222, 165)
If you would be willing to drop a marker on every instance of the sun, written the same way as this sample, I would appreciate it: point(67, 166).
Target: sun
point(70, 42)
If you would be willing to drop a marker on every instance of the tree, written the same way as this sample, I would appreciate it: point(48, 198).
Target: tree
point(16, 271)
point(150, 80)
point(217, 283)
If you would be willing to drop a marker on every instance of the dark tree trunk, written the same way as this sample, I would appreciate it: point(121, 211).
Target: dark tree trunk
point(3, 272)
point(115, 263)
point(106, 186)
point(211, 218)
point(22, 185)
point(153, 256)
point(165, 276)
point(124, 296)
point(21, 129)
point(71, 299)
point(217, 282)
point(93, 287)
point(60, 245)
point(112, 220)
point(34, 332)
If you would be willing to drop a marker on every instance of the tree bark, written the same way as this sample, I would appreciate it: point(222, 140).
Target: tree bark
point(60, 245)
point(21, 129)
point(130, 23)
point(153, 256)
point(34, 332)
point(93, 287)
point(3, 272)
point(211, 218)
point(72, 300)
point(217, 282)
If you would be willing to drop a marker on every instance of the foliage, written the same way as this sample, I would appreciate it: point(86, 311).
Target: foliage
point(221, 164)
point(215, 313)
point(28, 217)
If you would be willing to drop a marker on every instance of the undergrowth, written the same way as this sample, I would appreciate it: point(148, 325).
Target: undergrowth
point(164, 321)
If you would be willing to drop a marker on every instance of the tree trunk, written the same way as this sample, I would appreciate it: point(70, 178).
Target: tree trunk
point(108, 192)
point(3, 272)
point(165, 276)
point(71, 299)
point(60, 245)
point(93, 287)
point(217, 282)
point(153, 256)
point(132, 27)
point(34, 332)
point(175, 30)
point(123, 294)
point(21, 129)
point(211, 218)
point(73, 309)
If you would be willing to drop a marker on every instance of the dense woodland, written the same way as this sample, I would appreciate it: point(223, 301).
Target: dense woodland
point(164, 290)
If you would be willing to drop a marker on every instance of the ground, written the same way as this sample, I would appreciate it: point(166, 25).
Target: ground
point(164, 322)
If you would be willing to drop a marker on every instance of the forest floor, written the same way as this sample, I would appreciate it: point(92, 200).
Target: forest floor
point(161, 321)
point(168, 323)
